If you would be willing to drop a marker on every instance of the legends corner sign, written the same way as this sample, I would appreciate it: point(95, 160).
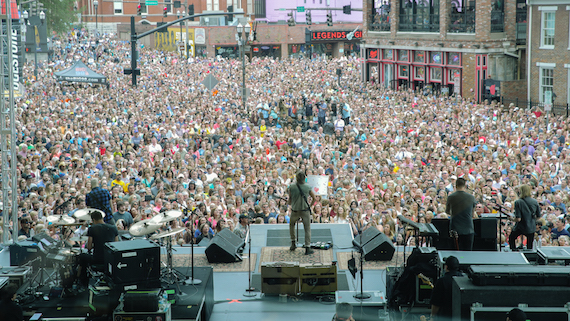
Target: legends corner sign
point(334, 35)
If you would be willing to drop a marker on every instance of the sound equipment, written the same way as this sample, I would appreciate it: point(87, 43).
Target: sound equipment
point(3, 282)
point(366, 237)
point(24, 251)
point(280, 278)
point(328, 129)
point(225, 247)
point(554, 255)
point(17, 275)
point(46, 240)
point(465, 294)
point(428, 229)
point(442, 241)
point(318, 278)
point(531, 275)
point(426, 255)
point(468, 258)
point(379, 248)
point(163, 313)
point(141, 301)
point(132, 261)
point(485, 228)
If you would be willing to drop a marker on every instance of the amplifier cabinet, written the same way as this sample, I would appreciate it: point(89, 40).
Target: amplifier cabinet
point(16, 274)
point(280, 278)
point(318, 278)
point(554, 255)
point(132, 261)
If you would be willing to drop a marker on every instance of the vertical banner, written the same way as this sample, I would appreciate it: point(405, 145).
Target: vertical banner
point(191, 43)
point(200, 36)
point(17, 56)
point(319, 184)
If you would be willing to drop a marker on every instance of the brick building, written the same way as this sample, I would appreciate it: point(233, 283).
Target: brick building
point(549, 51)
point(446, 46)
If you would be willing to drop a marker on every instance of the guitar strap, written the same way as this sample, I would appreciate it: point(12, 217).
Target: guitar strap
point(304, 197)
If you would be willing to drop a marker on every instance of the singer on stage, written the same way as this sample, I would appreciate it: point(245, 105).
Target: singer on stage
point(460, 207)
point(527, 211)
point(300, 210)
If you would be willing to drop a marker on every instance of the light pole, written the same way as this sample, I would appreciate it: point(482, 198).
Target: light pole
point(26, 16)
point(243, 32)
point(181, 38)
point(96, 5)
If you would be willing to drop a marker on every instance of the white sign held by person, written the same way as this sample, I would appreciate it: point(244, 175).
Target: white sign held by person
point(319, 184)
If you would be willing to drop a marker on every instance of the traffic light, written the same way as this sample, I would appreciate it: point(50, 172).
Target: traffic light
point(191, 11)
point(329, 19)
point(308, 18)
point(165, 12)
point(231, 16)
point(346, 9)
point(291, 20)
point(139, 10)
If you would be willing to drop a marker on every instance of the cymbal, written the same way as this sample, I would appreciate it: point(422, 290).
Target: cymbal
point(166, 216)
point(167, 233)
point(84, 214)
point(143, 228)
point(79, 238)
point(60, 219)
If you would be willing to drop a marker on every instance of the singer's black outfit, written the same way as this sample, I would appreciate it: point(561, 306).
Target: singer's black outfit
point(460, 208)
point(528, 210)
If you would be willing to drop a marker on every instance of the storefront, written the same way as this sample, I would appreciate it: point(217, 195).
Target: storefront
point(227, 51)
point(299, 50)
point(435, 71)
point(266, 51)
point(336, 43)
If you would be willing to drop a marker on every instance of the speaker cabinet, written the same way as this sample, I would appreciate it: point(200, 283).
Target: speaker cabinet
point(280, 278)
point(225, 247)
point(366, 237)
point(379, 248)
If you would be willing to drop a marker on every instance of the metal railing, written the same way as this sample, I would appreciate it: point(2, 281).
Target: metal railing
point(462, 22)
point(497, 21)
point(557, 109)
point(419, 22)
point(379, 22)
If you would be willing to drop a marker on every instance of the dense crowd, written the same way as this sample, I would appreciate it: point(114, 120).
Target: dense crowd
point(170, 144)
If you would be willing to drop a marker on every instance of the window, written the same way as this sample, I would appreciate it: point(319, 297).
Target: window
point(118, 7)
point(419, 73)
point(498, 16)
point(388, 54)
point(568, 84)
point(547, 30)
point(454, 58)
point(168, 5)
point(435, 74)
point(435, 58)
point(419, 15)
point(260, 10)
point(546, 84)
point(404, 71)
point(216, 5)
point(452, 74)
point(462, 16)
point(144, 8)
point(402, 55)
point(419, 56)
point(380, 17)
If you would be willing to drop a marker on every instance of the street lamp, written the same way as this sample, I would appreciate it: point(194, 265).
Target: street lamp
point(96, 5)
point(181, 39)
point(26, 17)
point(243, 32)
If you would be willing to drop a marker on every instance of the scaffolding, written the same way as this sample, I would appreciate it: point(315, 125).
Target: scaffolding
point(9, 68)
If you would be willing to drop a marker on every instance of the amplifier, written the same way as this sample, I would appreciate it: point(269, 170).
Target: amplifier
point(554, 255)
point(132, 261)
point(318, 278)
point(164, 313)
point(141, 301)
point(280, 278)
point(16, 274)
point(25, 251)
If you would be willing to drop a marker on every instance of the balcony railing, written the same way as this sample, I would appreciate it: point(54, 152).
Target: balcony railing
point(379, 22)
point(462, 21)
point(419, 22)
point(497, 21)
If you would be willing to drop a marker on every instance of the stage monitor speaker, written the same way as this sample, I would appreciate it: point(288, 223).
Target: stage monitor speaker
point(367, 236)
point(379, 248)
point(280, 278)
point(224, 247)
point(442, 241)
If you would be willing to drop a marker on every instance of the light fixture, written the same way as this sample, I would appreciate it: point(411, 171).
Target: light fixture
point(240, 28)
point(42, 17)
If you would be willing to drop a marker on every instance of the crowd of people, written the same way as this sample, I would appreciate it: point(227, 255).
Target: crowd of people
point(171, 144)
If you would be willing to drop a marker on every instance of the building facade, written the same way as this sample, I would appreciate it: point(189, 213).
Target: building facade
point(549, 52)
point(445, 46)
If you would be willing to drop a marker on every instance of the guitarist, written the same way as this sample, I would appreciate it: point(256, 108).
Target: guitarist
point(441, 296)
point(300, 209)
point(459, 207)
point(527, 211)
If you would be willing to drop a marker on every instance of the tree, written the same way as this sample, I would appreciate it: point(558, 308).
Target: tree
point(60, 14)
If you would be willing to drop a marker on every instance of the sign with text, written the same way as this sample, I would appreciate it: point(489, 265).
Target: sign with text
point(334, 35)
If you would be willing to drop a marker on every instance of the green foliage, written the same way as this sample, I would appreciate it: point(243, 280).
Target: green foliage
point(60, 15)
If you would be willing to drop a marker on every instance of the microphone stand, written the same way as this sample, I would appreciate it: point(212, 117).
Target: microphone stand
point(362, 296)
point(191, 280)
point(249, 291)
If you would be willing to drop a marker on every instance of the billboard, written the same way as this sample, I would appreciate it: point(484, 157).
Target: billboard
point(173, 40)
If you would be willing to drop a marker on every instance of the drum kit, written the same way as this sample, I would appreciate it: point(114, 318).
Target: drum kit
point(147, 227)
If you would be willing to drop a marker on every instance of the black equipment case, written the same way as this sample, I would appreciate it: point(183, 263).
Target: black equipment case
point(525, 275)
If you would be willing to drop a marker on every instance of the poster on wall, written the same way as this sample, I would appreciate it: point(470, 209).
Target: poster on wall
point(319, 184)
point(200, 36)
